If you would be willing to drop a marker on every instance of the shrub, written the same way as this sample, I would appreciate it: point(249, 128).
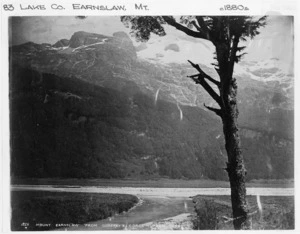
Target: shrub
point(206, 218)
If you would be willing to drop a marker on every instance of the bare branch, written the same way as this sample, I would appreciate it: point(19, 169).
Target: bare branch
point(194, 79)
point(193, 76)
point(195, 66)
point(203, 74)
point(215, 110)
point(171, 21)
point(217, 83)
point(200, 80)
point(239, 57)
point(238, 49)
point(204, 84)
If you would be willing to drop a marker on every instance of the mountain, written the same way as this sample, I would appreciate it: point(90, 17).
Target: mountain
point(92, 106)
point(66, 127)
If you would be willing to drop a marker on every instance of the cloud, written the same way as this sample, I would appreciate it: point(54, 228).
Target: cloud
point(40, 30)
point(50, 29)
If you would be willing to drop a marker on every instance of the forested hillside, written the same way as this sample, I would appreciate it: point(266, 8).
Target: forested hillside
point(67, 127)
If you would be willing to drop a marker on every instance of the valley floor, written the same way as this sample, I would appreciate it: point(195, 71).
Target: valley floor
point(155, 183)
point(44, 210)
point(83, 211)
point(164, 204)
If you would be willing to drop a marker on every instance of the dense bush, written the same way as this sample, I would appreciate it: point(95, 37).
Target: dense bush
point(206, 215)
point(66, 127)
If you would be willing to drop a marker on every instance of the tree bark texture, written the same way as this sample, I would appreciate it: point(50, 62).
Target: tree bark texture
point(229, 114)
point(235, 166)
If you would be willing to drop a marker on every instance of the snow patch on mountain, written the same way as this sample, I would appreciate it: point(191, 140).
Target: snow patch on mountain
point(199, 51)
point(85, 46)
point(277, 74)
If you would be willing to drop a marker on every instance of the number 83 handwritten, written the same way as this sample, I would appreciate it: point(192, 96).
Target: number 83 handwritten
point(8, 7)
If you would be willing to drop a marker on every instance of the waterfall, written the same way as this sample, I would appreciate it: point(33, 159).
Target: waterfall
point(181, 115)
point(156, 96)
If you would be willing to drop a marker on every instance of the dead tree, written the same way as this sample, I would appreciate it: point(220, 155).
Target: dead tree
point(225, 33)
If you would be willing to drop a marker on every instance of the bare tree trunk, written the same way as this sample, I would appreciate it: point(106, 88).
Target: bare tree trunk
point(229, 113)
point(235, 166)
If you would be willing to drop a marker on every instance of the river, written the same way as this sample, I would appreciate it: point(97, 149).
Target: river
point(158, 208)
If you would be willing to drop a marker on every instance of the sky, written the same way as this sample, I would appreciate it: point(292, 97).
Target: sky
point(275, 41)
point(50, 29)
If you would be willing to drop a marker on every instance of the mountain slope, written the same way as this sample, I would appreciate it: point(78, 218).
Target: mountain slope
point(64, 127)
point(92, 108)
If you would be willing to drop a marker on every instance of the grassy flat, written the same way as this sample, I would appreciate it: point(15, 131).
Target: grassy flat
point(214, 212)
point(39, 210)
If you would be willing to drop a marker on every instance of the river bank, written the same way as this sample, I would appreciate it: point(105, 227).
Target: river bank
point(44, 210)
point(153, 213)
point(266, 212)
point(152, 191)
point(158, 208)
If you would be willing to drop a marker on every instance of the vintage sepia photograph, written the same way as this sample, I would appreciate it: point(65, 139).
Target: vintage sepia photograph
point(151, 122)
